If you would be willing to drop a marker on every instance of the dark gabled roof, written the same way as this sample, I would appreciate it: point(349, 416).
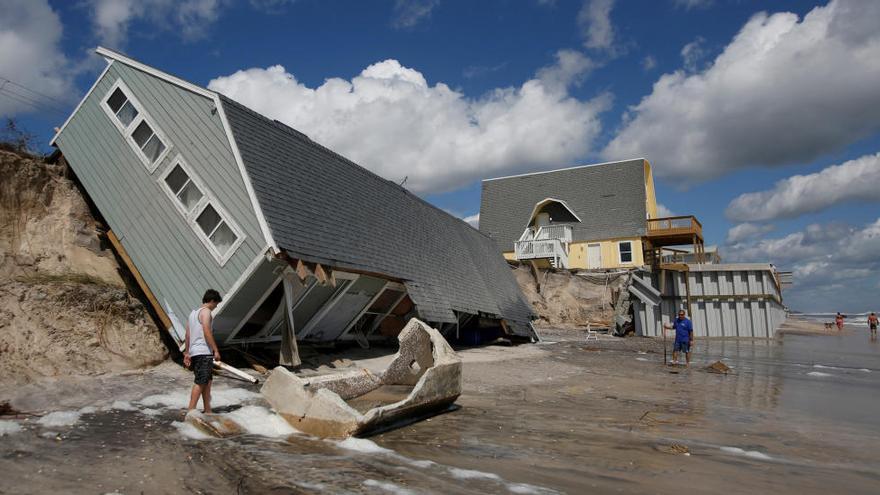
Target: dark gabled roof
point(324, 208)
point(609, 198)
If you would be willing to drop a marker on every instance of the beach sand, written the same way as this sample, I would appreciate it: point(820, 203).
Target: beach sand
point(562, 416)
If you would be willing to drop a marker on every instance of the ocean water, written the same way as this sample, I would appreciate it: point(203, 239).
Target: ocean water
point(799, 415)
point(854, 319)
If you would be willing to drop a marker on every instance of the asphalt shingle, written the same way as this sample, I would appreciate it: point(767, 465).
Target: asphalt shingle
point(324, 208)
point(609, 199)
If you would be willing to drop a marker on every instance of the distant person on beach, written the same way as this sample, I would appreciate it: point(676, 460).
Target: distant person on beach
point(838, 320)
point(201, 349)
point(684, 337)
point(872, 324)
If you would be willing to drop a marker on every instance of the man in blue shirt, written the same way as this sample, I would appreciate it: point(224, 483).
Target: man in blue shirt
point(684, 337)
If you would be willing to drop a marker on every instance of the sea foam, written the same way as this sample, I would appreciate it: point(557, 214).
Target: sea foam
point(60, 418)
point(819, 374)
point(754, 454)
point(9, 427)
point(258, 420)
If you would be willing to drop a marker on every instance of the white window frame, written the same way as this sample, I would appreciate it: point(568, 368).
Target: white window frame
point(631, 253)
point(191, 216)
point(127, 131)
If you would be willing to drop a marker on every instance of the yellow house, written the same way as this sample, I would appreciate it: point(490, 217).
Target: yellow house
point(591, 216)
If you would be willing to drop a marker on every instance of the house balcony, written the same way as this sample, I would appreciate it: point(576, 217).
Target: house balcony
point(675, 231)
point(549, 242)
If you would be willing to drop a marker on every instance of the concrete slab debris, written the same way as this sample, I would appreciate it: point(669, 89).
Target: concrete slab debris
point(424, 377)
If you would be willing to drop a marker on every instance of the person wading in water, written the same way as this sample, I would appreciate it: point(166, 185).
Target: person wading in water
point(838, 320)
point(684, 337)
point(201, 350)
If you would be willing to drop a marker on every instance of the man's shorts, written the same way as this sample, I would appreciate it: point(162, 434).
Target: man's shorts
point(680, 346)
point(873, 327)
point(202, 367)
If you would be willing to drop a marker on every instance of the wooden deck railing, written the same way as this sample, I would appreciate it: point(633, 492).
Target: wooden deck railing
point(670, 226)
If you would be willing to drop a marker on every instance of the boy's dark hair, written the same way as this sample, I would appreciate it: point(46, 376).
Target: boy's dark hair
point(211, 295)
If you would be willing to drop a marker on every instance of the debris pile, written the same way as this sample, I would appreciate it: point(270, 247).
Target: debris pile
point(423, 378)
point(719, 367)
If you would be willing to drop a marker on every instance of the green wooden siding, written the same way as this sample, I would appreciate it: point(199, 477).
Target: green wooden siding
point(176, 265)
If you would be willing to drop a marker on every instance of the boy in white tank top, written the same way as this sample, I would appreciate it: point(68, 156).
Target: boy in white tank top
point(201, 349)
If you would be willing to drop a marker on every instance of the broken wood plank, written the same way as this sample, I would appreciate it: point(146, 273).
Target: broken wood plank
point(235, 371)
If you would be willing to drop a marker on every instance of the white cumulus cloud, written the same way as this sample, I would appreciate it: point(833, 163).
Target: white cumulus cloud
point(32, 63)
point(408, 13)
point(391, 120)
point(693, 4)
point(745, 231)
point(785, 90)
point(834, 265)
point(594, 20)
point(854, 180)
point(191, 18)
point(473, 220)
point(663, 211)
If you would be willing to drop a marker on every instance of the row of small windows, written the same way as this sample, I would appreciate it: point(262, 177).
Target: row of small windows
point(135, 127)
point(191, 198)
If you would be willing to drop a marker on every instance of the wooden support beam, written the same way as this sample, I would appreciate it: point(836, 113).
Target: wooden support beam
point(323, 277)
point(151, 298)
point(505, 327)
point(303, 271)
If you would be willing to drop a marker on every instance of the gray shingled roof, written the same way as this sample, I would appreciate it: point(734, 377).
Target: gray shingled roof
point(609, 199)
point(323, 208)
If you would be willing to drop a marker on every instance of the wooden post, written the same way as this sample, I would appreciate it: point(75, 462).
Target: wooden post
point(303, 271)
point(123, 255)
point(289, 355)
point(323, 278)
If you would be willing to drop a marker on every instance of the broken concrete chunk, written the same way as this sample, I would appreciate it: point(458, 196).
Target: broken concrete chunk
point(424, 377)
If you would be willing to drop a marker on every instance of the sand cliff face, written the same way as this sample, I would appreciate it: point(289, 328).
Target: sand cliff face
point(64, 308)
point(567, 299)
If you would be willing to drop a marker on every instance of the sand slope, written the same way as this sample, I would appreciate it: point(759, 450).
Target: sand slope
point(64, 308)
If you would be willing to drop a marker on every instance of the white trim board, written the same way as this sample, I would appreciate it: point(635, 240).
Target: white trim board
point(244, 277)
point(543, 202)
point(563, 169)
point(80, 104)
point(114, 55)
point(258, 211)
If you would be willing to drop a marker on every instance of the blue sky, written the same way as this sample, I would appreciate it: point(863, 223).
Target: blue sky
point(722, 99)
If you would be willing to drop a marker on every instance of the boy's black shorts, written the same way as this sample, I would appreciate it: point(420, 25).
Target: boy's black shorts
point(202, 367)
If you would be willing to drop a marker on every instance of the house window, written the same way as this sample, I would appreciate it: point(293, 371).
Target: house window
point(626, 252)
point(123, 109)
point(135, 125)
point(204, 214)
point(185, 191)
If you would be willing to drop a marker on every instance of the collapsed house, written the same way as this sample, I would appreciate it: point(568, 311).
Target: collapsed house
point(199, 192)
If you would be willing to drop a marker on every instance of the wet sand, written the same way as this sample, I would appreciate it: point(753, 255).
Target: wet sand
point(797, 415)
